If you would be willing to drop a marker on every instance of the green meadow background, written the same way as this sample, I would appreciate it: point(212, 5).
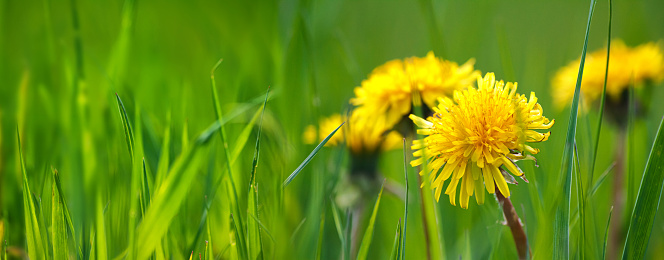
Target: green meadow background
point(62, 63)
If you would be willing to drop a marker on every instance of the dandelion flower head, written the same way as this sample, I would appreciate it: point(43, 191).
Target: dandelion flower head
point(476, 138)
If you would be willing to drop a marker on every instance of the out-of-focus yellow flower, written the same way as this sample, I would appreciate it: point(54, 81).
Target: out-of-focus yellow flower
point(359, 140)
point(644, 63)
point(385, 97)
point(327, 125)
point(477, 137)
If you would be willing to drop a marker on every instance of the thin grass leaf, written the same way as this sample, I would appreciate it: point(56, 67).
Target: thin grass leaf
point(402, 252)
point(562, 213)
point(348, 234)
point(600, 180)
point(368, 234)
point(145, 188)
point(647, 201)
point(337, 221)
point(396, 245)
point(603, 96)
point(32, 233)
point(129, 134)
point(234, 201)
point(255, 242)
point(321, 232)
point(296, 231)
point(581, 206)
point(67, 215)
point(606, 234)
point(100, 226)
point(58, 224)
point(164, 161)
point(171, 194)
point(311, 156)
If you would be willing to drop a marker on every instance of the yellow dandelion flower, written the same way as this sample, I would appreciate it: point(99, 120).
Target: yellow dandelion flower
point(644, 63)
point(385, 97)
point(476, 138)
point(359, 140)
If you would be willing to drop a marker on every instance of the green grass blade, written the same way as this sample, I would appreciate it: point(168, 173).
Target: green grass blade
point(145, 188)
point(129, 135)
point(234, 201)
point(164, 161)
point(561, 219)
point(255, 242)
point(171, 194)
point(647, 201)
point(311, 156)
point(337, 221)
point(67, 215)
point(600, 180)
point(368, 234)
point(348, 236)
point(396, 245)
point(321, 232)
point(402, 252)
point(602, 97)
point(32, 233)
point(580, 203)
point(102, 247)
point(606, 234)
point(58, 224)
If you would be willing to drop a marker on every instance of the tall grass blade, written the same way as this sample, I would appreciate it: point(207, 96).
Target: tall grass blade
point(602, 97)
point(67, 215)
point(32, 233)
point(255, 242)
point(562, 213)
point(102, 247)
point(348, 236)
point(321, 233)
point(58, 224)
point(368, 234)
point(129, 134)
point(234, 201)
point(647, 201)
point(606, 234)
point(402, 252)
point(396, 245)
point(171, 194)
point(164, 160)
point(311, 156)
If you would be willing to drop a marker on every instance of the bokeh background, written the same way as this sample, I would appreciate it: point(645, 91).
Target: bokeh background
point(61, 63)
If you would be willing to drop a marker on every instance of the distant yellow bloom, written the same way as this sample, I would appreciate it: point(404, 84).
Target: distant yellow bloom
point(644, 63)
point(359, 140)
point(385, 97)
point(327, 125)
point(477, 137)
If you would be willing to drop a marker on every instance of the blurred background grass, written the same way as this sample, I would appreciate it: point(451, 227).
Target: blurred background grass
point(158, 55)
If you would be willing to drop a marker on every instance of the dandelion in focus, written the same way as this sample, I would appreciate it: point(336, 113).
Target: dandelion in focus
point(476, 138)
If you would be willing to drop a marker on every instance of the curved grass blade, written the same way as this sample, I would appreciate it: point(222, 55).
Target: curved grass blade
point(235, 205)
point(647, 201)
point(562, 213)
point(368, 234)
point(396, 245)
point(311, 156)
point(58, 224)
point(606, 234)
point(129, 135)
point(68, 220)
point(171, 194)
point(32, 232)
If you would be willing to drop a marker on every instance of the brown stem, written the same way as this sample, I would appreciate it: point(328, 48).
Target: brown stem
point(425, 224)
point(514, 223)
point(618, 198)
